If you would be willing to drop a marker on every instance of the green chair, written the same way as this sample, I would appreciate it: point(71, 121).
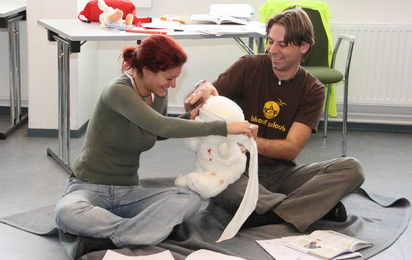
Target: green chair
point(321, 61)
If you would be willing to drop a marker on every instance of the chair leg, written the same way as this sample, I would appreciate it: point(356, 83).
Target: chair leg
point(345, 119)
point(345, 97)
point(325, 114)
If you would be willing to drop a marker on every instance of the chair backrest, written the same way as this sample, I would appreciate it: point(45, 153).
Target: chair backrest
point(318, 12)
point(319, 54)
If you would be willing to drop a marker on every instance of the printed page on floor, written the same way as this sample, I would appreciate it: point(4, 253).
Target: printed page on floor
point(204, 254)
point(165, 255)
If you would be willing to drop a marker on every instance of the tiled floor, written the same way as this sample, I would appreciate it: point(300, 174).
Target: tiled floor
point(30, 179)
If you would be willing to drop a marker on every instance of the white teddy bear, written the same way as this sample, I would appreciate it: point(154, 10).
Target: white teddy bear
point(220, 161)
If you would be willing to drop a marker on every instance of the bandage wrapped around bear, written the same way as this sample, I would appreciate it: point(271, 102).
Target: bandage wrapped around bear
point(220, 161)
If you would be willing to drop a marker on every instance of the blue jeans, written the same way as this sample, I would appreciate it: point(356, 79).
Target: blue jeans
point(128, 215)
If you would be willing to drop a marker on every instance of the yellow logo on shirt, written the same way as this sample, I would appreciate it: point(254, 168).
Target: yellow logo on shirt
point(271, 109)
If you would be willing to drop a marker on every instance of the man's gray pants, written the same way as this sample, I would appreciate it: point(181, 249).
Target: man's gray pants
point(301, 194)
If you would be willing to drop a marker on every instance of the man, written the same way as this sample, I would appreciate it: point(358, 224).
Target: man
point(277, 94)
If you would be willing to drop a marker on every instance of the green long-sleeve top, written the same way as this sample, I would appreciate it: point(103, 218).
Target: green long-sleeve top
point(122, 126)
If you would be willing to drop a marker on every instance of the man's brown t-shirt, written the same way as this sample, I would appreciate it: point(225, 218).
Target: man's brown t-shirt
point(251, 83)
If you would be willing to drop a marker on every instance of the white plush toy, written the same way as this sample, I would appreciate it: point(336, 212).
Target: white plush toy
point(111, 15)
point(220, 161)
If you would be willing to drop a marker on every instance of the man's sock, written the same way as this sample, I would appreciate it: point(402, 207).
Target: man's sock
point(84, 245)
point(256, 220)
point(337, 213)
point(179, 233)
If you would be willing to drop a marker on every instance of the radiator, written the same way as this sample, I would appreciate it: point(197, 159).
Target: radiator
point(381, 68)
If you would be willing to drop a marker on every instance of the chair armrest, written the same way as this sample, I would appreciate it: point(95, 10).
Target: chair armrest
point(351, 40)
point(347, 37)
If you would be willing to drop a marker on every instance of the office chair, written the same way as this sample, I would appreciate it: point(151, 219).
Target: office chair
point(321, 61)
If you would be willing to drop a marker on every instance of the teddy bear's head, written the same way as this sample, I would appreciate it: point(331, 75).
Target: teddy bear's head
point(220, 108)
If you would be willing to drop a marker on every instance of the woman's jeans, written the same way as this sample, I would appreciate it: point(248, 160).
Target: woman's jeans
point(128, 215)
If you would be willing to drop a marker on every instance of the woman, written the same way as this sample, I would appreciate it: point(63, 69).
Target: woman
point(103, 202)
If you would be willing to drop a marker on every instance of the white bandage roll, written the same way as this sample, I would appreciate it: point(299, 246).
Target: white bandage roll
point(248, 204)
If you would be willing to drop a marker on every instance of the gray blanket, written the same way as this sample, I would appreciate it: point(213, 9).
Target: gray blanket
point(373, 218)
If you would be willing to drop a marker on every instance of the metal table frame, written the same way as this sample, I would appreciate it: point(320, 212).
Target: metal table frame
point(70, 34)
point(10, 20)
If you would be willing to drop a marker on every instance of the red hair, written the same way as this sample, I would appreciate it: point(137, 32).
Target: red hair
point(156, 53)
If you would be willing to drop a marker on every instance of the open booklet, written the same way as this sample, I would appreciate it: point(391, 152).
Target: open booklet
point(329, 244)
point(319, 244)
point(203, 18)
point(225, 19)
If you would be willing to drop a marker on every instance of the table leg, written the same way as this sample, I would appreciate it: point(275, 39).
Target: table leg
point(16, 118)
point(249, 48)
point(244, 45)
point(250, 43)
point(260, 45)
point(63, 156)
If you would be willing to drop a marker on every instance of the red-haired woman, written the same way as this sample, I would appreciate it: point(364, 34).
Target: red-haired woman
point(103, 203)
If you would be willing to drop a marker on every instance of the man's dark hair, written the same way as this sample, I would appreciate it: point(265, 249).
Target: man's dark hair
point(298, 27)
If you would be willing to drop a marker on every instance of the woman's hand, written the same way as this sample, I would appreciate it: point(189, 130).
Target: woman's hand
point(203, 92)
point(195, 112)
point(242, 148)
point(243, 127)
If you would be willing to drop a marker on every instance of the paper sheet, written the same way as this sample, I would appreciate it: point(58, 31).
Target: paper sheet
point(204, 254)
point(248, 204)
point(165, 255)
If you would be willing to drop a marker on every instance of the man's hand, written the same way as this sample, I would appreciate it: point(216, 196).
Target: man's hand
point(285, 149)
point(203, 92)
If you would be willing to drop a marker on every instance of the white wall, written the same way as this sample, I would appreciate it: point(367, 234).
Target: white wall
point(42, 64)
point(371, 11)
point(98, 62)
point(4, 64)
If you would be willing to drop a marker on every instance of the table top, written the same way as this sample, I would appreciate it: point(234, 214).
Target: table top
point(75, 30)
point(8, 8)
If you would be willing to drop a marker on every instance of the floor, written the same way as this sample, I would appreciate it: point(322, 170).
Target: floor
point(31, 179)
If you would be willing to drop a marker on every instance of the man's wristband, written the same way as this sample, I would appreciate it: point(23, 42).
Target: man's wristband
point(199, 83)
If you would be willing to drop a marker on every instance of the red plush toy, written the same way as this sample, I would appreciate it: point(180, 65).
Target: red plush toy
point(111, 15)
point(92, 11)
